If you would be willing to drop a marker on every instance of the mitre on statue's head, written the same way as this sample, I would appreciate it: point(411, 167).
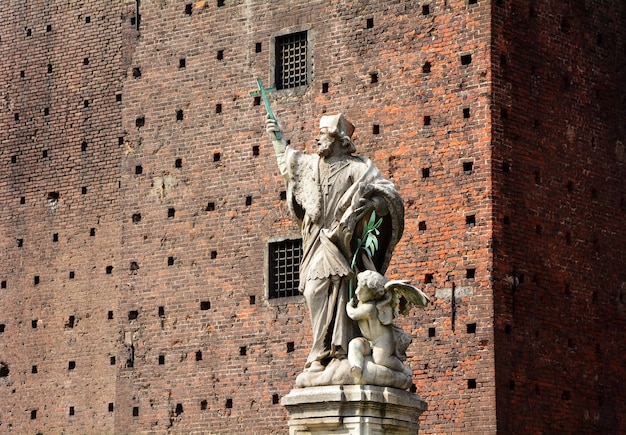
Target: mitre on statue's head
point(338, 124)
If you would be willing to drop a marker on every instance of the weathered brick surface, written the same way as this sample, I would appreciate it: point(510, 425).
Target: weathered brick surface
point(60, 168)
point(559, 216)
point(197, 345)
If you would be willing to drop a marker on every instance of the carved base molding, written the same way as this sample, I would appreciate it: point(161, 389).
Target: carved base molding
point(353, 410)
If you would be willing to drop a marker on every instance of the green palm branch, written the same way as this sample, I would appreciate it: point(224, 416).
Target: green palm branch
point(368, 242)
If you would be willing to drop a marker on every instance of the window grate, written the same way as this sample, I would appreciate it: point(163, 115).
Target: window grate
point(291, 60)
point(284, 265)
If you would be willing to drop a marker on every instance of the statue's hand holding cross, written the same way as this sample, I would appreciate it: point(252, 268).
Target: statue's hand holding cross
point(271, 127)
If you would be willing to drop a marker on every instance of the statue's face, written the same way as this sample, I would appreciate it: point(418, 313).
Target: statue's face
point(325, 140)
point(363, 292)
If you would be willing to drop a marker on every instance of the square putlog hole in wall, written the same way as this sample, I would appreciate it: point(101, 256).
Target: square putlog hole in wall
point(466, 59)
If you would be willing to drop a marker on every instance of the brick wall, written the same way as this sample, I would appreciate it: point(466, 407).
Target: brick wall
point(62, 66)
point(188, 255)
point(559, 208)
point(171, 326)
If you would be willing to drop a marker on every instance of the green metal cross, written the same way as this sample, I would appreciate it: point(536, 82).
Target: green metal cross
point(263, 93)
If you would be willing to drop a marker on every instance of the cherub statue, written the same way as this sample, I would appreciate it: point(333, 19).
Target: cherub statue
point(377, 301)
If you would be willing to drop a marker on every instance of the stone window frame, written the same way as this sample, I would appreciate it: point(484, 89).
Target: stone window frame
point(310, 65)
point(269, 292)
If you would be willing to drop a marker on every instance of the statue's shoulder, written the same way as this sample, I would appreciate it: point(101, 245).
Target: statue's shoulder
point(296, 154)
point(359, 161)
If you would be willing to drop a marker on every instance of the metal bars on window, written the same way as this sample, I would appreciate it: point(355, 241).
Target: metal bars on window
point(291, 60)
point(284, 268)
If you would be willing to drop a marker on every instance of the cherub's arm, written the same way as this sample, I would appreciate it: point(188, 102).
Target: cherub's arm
point(362, 311)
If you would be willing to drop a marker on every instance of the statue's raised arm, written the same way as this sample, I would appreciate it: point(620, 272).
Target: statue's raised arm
point(275, 132)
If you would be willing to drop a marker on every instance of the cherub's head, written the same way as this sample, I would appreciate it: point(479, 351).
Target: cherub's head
point(371, 286)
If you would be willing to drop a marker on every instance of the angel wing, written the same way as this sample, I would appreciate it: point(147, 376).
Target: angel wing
point(404, 295)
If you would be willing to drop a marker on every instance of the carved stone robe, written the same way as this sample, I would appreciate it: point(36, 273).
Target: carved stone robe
point(321, 194)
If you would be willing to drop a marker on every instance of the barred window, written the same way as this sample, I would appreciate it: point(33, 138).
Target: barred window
point(291, 60)
point(284, 268)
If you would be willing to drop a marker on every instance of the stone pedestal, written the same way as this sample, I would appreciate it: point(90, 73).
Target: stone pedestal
point(353, 410)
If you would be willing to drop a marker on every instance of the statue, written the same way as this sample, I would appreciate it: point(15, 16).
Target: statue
point(332, 196)
point(377, 301)
point(351, 219)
